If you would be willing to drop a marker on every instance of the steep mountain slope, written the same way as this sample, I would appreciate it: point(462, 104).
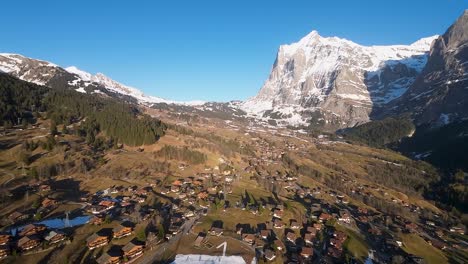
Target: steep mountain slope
point(440, 93)
point(335, 83)
point(49, 74)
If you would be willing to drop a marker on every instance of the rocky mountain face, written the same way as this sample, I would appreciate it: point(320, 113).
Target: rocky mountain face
point(440, 93)
point(51, 75)
point(334, 83)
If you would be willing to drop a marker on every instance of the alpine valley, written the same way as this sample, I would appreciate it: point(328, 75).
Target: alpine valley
point(347, 154)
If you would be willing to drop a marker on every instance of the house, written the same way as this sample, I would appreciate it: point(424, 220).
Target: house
point(121, 231)
point(312, 230)
point(175, 188)
point(325, 217)
point(17, 217)
point(249, 238)
point(291, 237)
point(109, 258)
point(96, 220)
point(307, 252)
point(4, 238)
point(55, 236)
point(345, 217)
point(279, 245)
point(32, 229)
point(295, 225)
point(107, 204)
point(96, 241)
point(277, 223)
point(28, 242)
point(270, 255)
point(215, 231)
point(132, 250)
point(202, 195)
point(265, 234)
point(259, 243)
point(278, 213)
point(318, 226)
point(308, 238)
point(4, 251)
point(48, 202)
point(411, 227)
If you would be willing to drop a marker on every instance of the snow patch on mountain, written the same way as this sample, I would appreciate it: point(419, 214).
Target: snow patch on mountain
point(338, 77)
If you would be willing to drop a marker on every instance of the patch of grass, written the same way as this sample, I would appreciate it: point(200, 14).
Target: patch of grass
point(355, 244)
point(414, 244)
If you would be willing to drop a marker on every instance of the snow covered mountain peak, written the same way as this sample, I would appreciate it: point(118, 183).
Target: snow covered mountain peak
point(49, 74)
point(330, 80)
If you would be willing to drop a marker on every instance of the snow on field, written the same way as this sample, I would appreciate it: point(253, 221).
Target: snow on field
point(205, 259)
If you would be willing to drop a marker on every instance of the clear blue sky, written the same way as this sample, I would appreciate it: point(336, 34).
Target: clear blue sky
point(208, 50)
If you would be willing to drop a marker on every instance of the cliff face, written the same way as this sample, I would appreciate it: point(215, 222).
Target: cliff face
point(335, 83)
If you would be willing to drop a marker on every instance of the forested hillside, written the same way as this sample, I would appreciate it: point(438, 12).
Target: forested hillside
point(22, 102)
point(381, 132)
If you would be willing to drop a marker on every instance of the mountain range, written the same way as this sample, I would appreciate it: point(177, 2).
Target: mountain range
point(326, 83)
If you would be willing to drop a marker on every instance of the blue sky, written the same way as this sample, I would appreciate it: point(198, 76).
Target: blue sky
point(204, 50)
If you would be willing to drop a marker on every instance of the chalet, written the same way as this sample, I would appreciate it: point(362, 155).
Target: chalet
point(270, 255)
point(248, 238)
point(97, 209)
point(318, 226)
point(295, 224)
point(215, 231)
point(28, 242)
point(362, 211)
point(278, 213)
point(17, 217)
point(307, 252)
point(32, 229)
point(277, 223)
point(437, 244)
point(97, 220)
point(54, 237)
point(121, 231)
point(165, 190)
point(96, 241)
point(291, 237)
point(311, 230)
point(109, 258)
point(345, 217)
point(411, 227)
point(175, 188)
point(107, 204)
point(334, 252)
point(4, 251)
point(308, 238)
point(458, 230)
point(202, 195)
point(265, 234)
point(4, 239)
point(279, 245)
point(325, 217)
point(259, 243)
point(132, 251)
point(48, 202)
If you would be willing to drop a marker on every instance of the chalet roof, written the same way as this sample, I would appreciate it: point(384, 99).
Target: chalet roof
point(93, 237)
point(130, 245)
point(52, 234)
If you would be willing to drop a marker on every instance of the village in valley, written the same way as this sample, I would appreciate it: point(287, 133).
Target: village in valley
point(263, 200)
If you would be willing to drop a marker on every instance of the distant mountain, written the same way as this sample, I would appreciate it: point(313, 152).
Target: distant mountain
point(333, 83)
point(440, 93)
point(49, 74)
